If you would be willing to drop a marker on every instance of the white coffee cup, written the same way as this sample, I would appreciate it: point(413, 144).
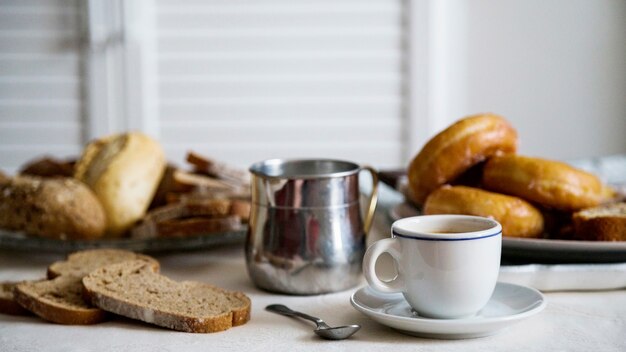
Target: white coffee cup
point(447, 264)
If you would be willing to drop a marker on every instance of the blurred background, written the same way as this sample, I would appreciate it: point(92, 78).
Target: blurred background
point(368, 81)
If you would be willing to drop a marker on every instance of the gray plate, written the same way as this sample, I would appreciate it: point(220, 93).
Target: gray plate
point(525, 250)
point(20, 242)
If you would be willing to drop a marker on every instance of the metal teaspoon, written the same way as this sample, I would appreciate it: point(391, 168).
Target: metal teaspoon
point(322, 329)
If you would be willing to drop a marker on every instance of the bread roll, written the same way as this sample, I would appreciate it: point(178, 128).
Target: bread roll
point(61, 208)
point(124, 171)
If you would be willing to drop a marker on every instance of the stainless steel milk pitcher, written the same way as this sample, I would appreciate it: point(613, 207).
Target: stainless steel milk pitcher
point(306, 233)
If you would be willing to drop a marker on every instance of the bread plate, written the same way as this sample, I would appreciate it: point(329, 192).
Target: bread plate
point(548, 251)
point(20, 242)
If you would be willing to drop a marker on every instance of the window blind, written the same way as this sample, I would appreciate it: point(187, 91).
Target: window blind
point(40, 80)
point(249, 80)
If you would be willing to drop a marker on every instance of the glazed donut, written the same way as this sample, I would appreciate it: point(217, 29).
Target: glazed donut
point(457, 148)
point(552, 184)
point(517, 217)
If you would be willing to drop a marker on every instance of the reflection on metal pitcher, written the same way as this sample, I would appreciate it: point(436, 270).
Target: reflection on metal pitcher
point(306, 233)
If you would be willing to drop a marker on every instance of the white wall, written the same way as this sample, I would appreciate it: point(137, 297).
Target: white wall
point(555, 68)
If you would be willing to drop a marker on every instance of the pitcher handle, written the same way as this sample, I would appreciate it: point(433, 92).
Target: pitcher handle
point(373, 199)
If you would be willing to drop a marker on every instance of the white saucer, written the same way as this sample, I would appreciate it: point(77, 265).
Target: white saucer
point(509, 304)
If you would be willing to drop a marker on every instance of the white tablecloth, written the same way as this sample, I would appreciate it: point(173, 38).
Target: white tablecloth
point(573, 321)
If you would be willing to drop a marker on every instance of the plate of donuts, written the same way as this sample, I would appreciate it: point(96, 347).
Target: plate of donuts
point(550, 211)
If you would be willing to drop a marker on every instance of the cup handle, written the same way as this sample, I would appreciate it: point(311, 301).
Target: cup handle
point(387, 245)
point(373, 199)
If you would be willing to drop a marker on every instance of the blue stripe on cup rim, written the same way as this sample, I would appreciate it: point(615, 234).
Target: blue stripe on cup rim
point(396, 234)
point(416, 227)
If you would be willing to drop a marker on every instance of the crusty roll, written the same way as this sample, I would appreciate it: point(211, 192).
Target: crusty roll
point(549, 183)
point(61, 208)
point(517, 217)
point(457, 148)
point(124, 171)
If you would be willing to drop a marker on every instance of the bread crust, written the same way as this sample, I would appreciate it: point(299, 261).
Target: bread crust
point(456, 149)
point(8, 304)
point(124, 172)
point(550, 183)
point(61, 208)
point(609, 225)
point(517, 217)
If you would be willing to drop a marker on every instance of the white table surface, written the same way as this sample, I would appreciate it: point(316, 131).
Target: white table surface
point(572, 321)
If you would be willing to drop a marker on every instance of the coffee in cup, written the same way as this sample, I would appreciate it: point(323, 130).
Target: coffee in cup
point(447, 265)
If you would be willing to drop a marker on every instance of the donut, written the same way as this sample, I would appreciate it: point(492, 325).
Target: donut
point(464, 144)
point(517, 217)
point(550, 183)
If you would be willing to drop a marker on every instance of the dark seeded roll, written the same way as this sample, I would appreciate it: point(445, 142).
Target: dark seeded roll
point(51, 207)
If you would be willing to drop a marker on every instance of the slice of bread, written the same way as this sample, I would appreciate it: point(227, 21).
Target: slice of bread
point(189, 182)
point(601, 223)
point(197, 226)
point(60, 299)
point(218, 169)
point(197, 217)
point(208, 207)
point(8, 305)
point(133, 290)
point(81, 263)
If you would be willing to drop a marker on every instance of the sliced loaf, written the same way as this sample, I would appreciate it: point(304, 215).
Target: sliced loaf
point(133, 290)
point(601, 223)
point(60, 299)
